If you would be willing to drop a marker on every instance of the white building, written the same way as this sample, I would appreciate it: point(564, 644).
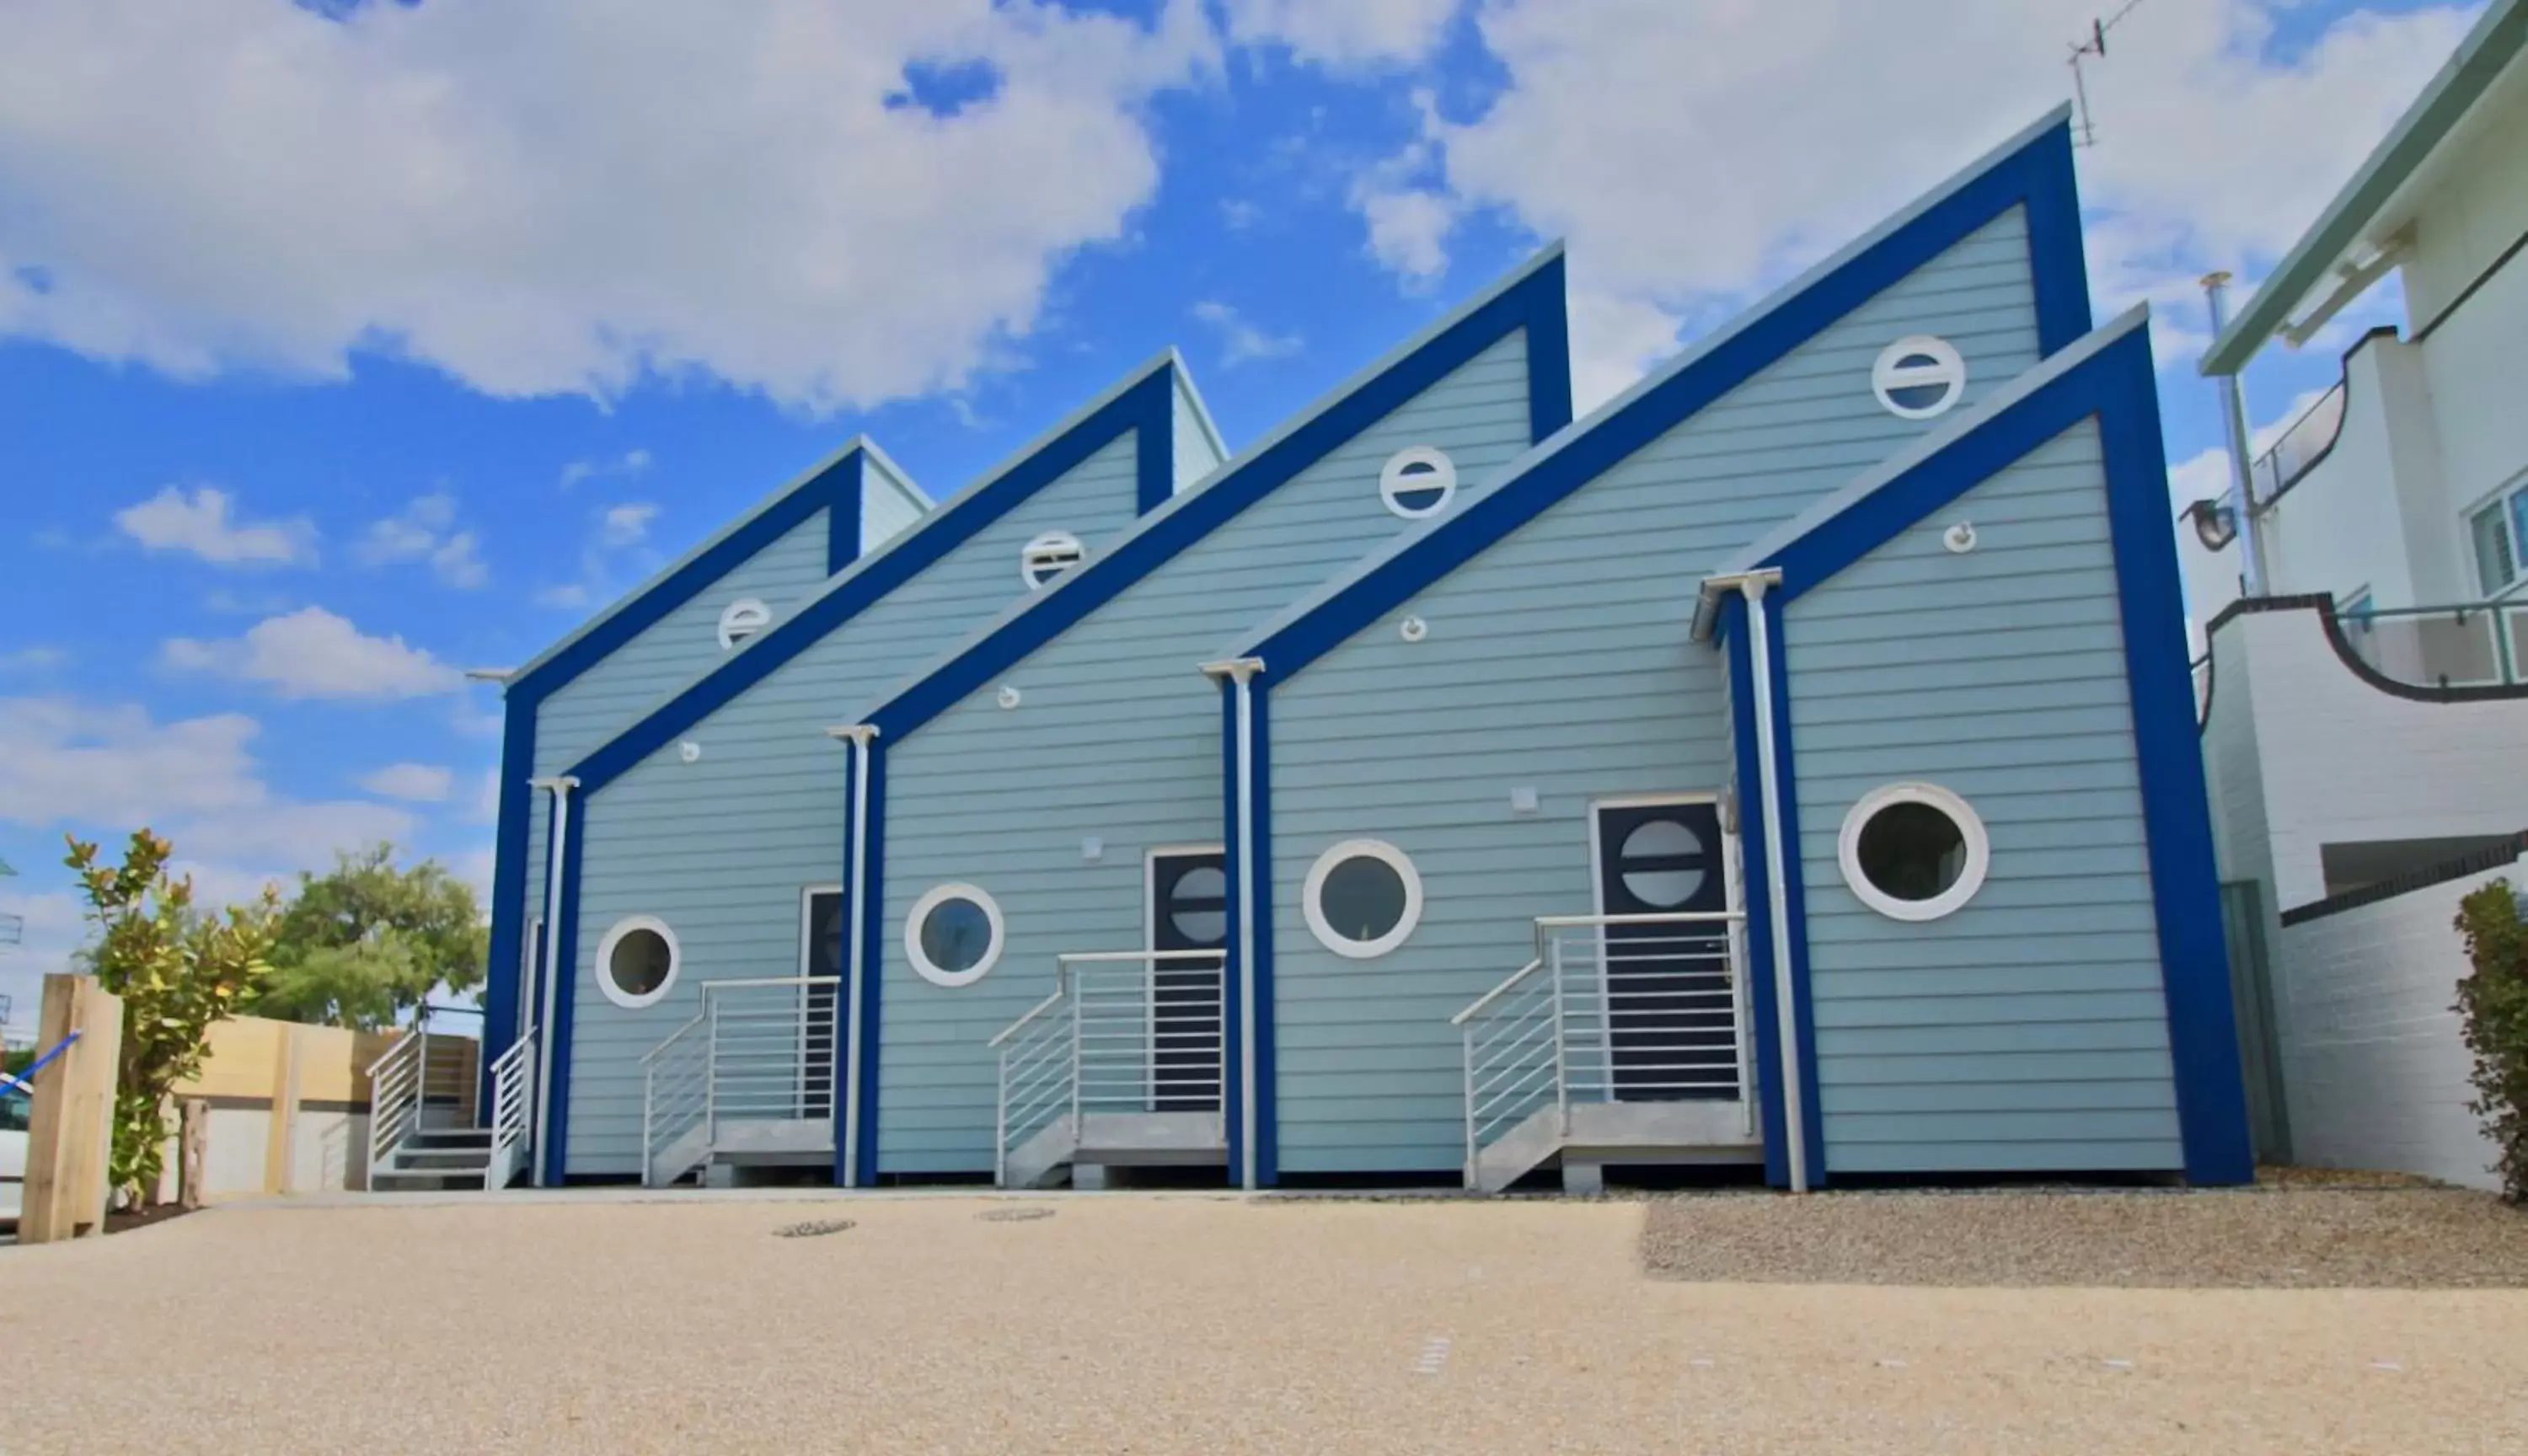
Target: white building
point(2365, 687)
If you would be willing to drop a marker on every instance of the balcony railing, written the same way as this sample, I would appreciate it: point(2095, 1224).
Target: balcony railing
point(2300, 446)
point(2472, 645)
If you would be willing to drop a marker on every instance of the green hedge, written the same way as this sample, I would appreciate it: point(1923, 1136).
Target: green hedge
point(2493, 1004)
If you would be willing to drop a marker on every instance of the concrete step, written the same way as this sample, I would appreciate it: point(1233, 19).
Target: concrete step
point(449, 1137)
point(430, 1180)
point(427, 1160)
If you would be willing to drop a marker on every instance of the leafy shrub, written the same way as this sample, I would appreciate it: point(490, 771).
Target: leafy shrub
point(2493, 1005)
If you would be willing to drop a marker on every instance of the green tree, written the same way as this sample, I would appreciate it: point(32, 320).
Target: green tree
point(178, 973)
point(366, 942)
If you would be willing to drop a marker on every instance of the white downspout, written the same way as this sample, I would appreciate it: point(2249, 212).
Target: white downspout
point(1241, 673)
point(854, 739)
point(1759, 650)
point(557, 832)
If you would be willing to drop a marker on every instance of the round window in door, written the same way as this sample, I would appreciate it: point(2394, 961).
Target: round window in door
point(1665, 988)
point(1199, 906)
point(1363, 899)
point(953, 936)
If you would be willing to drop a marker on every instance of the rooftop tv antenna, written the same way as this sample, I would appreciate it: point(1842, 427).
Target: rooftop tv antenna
point(2092, 45)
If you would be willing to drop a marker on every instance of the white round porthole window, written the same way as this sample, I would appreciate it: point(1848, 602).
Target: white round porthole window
point(1919, 378)
point(954, 935)
point(743, 618)
point(1417, 482)
point(1913, 852)
point(1363, 899)
point(636, 962)
point(1044, 559)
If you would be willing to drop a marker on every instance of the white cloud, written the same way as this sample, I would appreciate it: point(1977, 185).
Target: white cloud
point(414, 783)
point(1408, 231)
point(1696, 154)
point(422, 532)
point(449, 181)
point(53, 929)
point(487, 802)
point(629, 463)
point(313, 654)
point(1343, 32)
point(1241, 340)
point(567, 597)
point(197, 523)
point(38, 658)
point(63, 762)
point(296, 835)
point(626, 525)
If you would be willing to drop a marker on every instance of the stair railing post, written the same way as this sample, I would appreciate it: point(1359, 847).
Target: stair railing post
point(710, 1072)
point(421, 1077)
point(1471, 1152)
point(1562, 1064)
point(1079, 1128)
point(1001, 1125)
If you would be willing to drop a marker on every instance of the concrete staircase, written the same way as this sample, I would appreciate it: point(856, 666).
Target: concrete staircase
point(436, 1159)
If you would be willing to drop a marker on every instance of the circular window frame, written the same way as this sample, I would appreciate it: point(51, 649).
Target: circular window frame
point(1890, 373)
point(744, 618)
point(1971, 876)
point(1045, 543)
point(935, 897)
point(1393, 482)
point(613, 937)
point(1310, 899)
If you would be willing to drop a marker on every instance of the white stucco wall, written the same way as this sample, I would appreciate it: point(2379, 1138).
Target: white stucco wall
point(2374, 1068)
point(2335, 761)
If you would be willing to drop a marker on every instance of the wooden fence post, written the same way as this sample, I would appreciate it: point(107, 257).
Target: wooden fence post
point(70, 1132)
point(192, 1159)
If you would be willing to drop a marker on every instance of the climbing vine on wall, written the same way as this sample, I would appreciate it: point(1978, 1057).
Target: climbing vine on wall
point(2493, 1005)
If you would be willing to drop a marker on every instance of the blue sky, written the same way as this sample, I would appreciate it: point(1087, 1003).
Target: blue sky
point(392, 339)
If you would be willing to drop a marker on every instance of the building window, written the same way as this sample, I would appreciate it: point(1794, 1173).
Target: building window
point(1363, 899)
point(1913, 852)
point(1044, 559)
point(744, 618)
point(637, 961)
point(2498, 529)
point(1417, 482)
point(953, 936)
point(820, 933)
point(1919, 378)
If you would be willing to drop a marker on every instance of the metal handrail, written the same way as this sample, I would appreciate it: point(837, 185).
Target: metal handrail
point(1564, 1028)
point(1087, 1047)
point(2444, 659)
point(740, 1063)
point(2297, 449)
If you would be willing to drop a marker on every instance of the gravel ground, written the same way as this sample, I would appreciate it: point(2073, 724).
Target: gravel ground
point(1155, 1324)
point(2311, 1237)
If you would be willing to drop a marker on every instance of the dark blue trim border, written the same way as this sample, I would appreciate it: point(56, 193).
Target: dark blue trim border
point(2038, 177)
point(1234, 865)
point(2117, 386)
point(1755, 884)
point(556, 1116)
point(836, 490)
point(872, 930)
point(1268, 1133)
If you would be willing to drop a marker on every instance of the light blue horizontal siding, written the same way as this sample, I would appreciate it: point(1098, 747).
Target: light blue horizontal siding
point(669, 655)
point(721, 848)
point(1557, 660)
point(1118, 737)
point(888, 507)
point(1195, 454)
point(1928, 1035)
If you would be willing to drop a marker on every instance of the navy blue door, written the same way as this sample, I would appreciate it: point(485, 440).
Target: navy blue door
point(1669, 1030)
point(1188, 912)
